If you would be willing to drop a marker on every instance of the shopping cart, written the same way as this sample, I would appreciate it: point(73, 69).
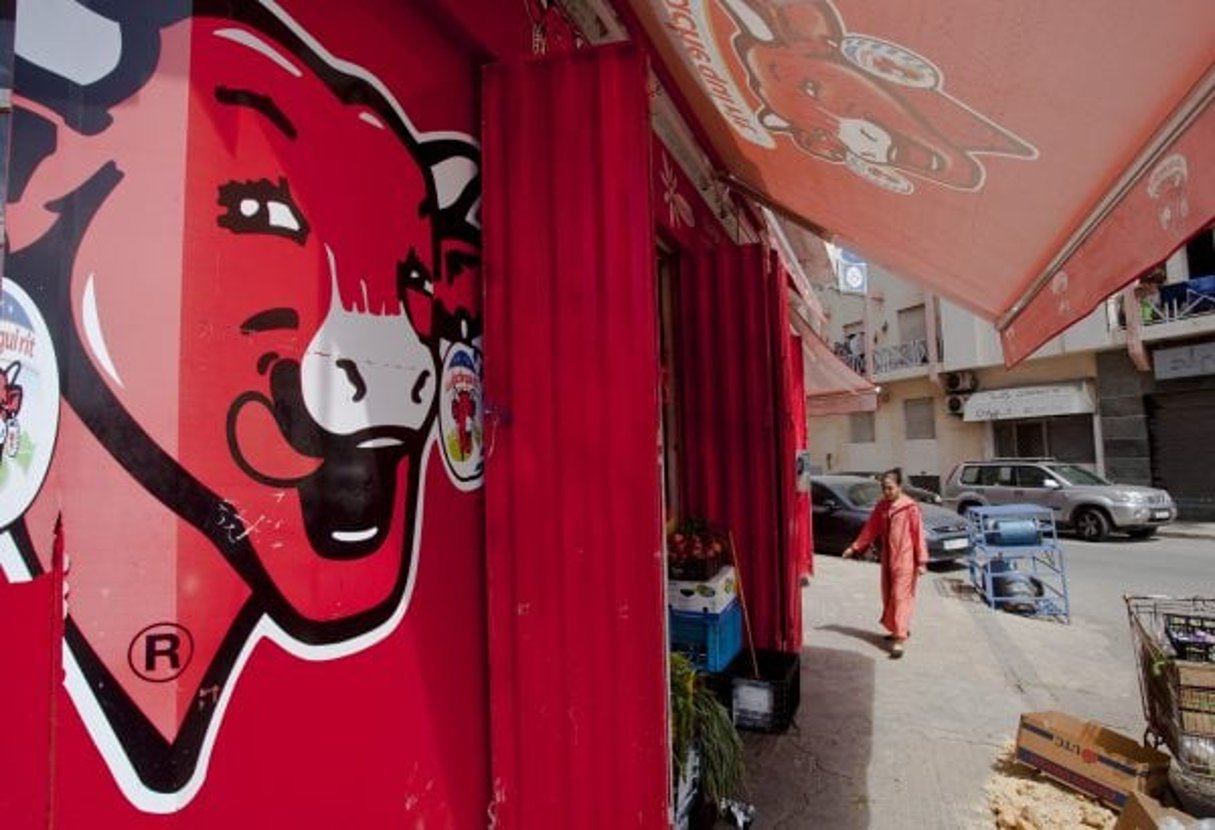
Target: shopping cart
point(1178, 694)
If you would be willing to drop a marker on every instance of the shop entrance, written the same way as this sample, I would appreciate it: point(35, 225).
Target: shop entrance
point(1064, 437)
point(1179, 431)
point(667, 267)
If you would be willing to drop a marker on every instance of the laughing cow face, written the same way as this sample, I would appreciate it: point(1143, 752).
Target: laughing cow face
point(320, 363)
point(306, 336)
point(254, 308)
point(861, 101)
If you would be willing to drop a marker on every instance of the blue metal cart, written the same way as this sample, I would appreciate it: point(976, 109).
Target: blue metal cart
point(1016, 563)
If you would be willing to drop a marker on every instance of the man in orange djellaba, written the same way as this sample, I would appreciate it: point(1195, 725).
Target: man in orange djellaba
point(896, 522)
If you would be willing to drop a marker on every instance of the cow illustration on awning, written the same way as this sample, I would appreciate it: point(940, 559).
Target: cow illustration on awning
point(1023, 160)
point(853, 99)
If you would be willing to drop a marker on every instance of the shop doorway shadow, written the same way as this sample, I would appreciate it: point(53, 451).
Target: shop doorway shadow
point(816, 774)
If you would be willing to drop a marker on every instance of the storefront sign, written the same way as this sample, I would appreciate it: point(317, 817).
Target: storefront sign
point(1030, 402)
point(1184, 361)
point(852, 273)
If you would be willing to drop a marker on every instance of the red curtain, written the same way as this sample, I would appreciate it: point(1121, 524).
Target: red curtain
point(730, 340)
point(574, 538)
point(803, 541)
point(787, 445)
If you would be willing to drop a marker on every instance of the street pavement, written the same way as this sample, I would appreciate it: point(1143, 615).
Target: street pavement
point(910, 743)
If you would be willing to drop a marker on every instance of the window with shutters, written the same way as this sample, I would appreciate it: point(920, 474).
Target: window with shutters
point(862, 428)
point(913, 324)
point(919, 418)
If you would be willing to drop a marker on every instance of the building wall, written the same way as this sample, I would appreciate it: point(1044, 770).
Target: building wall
point(887, 295)
point(956, 440)
point(1124, 427)
point(832, 449)
point(276, 612)
point(971, 342)
point(1142, 448)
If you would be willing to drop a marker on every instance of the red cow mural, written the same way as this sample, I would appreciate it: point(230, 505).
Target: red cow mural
point(857, 100)
point(254, 386)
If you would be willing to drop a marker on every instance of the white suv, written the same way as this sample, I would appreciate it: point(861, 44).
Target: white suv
point(1079, 498)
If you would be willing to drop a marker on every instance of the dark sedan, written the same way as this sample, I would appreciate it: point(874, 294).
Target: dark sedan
point(918, 493)
point(840, 506)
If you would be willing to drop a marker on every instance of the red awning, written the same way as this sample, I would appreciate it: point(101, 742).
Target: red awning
point(1022, 159)
point(832, 388)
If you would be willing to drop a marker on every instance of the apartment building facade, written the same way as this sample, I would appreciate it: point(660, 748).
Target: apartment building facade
point(1129, 391)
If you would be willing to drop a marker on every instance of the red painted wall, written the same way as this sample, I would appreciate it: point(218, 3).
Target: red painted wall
point(244, 248)
point(574, 547)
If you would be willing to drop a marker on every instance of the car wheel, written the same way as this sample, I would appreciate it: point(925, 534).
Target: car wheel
point(1142, 533)
point(966, 505)
point(1092, 525)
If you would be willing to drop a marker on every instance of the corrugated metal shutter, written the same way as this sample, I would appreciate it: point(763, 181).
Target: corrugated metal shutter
point(574, 539)
point(1183, 455)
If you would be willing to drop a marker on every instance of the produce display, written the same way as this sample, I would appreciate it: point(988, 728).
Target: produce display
point(696, 550)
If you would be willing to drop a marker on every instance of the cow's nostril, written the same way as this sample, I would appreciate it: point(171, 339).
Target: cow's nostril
point(419, 385)
point(354, 376)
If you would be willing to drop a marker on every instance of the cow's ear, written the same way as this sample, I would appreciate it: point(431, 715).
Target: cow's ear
point(455, 170)
point(161, 13)
point(116, 58)
point(34, 139)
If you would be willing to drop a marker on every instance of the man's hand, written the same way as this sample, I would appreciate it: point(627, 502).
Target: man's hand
point(921, 570)
point(848, 552)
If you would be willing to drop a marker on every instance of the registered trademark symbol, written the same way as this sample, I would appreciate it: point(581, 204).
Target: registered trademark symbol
point(161, 652)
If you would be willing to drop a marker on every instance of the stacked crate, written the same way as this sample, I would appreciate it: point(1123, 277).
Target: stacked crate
point(706, 619)
point(1193, 638)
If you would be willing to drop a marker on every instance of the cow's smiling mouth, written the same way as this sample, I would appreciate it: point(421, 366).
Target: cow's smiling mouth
point(354, 535)
point(346, 483)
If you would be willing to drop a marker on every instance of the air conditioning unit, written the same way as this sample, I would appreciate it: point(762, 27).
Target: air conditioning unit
point(960, 382)
point(956, 405)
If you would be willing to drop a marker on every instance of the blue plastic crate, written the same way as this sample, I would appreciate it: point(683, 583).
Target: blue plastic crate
point(710, 641)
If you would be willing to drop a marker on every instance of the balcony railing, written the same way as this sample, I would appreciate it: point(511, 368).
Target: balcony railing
point(886, 359)
point(1175, 301)
point(903, 356)
point(855, 362)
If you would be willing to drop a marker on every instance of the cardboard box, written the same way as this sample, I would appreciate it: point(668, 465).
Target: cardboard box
point(1196, 696)
point(1142, 812)
point(1090, 758)
point(1197, 675)
point(711, 596)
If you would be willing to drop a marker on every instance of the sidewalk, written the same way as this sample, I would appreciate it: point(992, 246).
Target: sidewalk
point(1189, 530)
point(902, 744)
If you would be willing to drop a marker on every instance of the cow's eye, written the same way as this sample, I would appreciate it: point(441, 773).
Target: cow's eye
point(261, 207)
